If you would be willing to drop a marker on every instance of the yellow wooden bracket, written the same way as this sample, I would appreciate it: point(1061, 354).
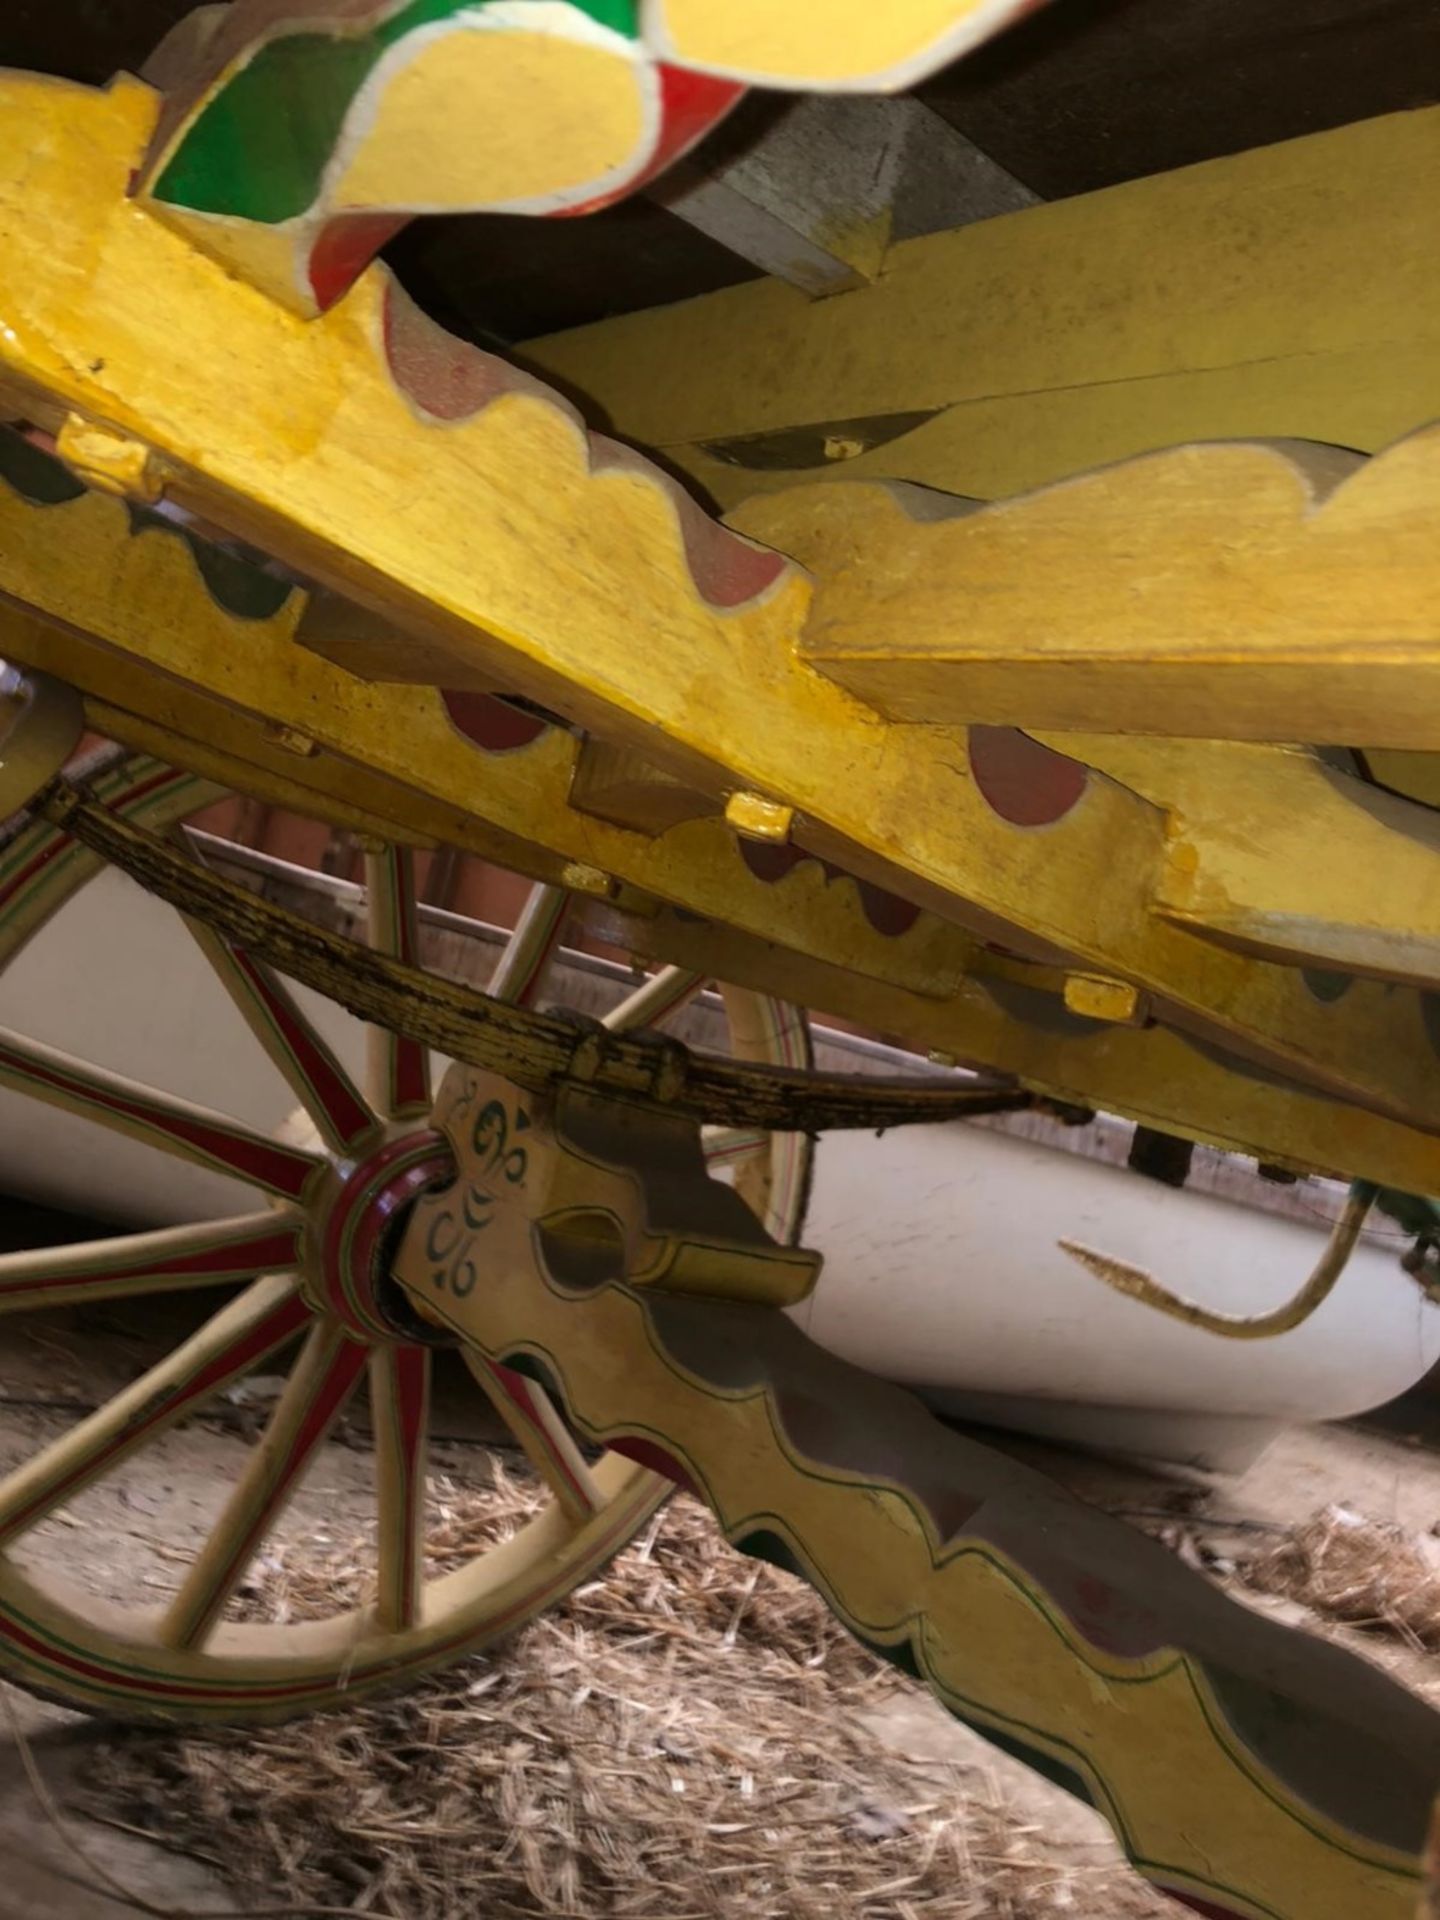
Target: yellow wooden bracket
point(41, 721)
point(1095, 998)
point(755, 818)
point(617, 784)
point(1224, 592)
point(109, 461)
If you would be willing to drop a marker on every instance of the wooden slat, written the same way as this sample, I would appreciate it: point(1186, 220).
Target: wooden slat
point(1289, 291)
point(1239, 591)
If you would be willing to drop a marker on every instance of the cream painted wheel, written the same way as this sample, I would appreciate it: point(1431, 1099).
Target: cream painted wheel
point(310, 1260)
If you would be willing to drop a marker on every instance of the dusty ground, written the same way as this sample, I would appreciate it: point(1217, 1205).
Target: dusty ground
point(128, 1538)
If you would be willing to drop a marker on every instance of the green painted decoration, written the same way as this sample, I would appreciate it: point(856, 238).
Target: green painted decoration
point(259, 148)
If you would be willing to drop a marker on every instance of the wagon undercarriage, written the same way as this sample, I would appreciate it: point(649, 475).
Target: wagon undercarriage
point(1028, 655)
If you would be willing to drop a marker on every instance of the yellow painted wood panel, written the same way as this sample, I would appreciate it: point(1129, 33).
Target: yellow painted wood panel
point(1236, 591)
point(838, 44)
point(1277, 852)
point(536, 558)
point(1292, 290)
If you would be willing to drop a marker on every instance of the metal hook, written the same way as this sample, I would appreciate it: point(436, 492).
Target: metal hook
point(1136, 1284)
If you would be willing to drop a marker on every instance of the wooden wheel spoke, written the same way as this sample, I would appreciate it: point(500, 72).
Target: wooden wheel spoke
point(308, 1065)
point(181, 1659)
point(397, 1070)
point(527, 952)
point(42, 867)
point(126, 1106)
point(663, 993)
point(172, 1260)
point(732, 1146)
point(400, 1409)
point(322, 1380)
point(549, 1445)
point(264, 1319)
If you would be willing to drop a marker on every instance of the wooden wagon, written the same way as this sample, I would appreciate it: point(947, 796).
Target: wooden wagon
point(1021, 643)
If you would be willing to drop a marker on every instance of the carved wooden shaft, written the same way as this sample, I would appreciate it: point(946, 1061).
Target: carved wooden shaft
point(1250, 1771)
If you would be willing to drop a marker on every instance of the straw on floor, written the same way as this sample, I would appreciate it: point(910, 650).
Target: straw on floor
point(1367, 1573)
point(682, 1738)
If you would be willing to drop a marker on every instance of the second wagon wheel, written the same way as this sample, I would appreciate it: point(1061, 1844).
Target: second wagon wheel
point(308, 1257)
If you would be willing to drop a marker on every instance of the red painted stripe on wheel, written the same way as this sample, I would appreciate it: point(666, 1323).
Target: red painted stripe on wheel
point(347, 1113)
point(264, 1253)
point(265, 1163)
point(336, 1388)
point(518, 1388)
point(411, 1373)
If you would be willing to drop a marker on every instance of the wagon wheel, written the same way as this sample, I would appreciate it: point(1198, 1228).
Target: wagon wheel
point(312, 1254)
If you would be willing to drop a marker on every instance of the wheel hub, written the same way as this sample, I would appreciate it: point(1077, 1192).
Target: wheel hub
point(347, 1268)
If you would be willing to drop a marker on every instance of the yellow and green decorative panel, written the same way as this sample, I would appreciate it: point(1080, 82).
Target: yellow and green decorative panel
point(306, 144)
point(298, 140)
